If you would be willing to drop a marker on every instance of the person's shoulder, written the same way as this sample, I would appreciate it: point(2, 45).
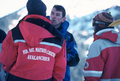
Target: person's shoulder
point(101, 43)
point(2, 32)
point(2, 35)
point(69, 34)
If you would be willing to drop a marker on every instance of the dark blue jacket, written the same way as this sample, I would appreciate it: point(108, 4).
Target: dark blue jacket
point(72, 53)
point(2, 37)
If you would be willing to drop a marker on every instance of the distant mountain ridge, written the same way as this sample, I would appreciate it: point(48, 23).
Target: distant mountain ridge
point(85, 21)
point(8, 20)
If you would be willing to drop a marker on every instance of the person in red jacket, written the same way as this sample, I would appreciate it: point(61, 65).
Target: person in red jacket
point(34, 50)
point(102, 63)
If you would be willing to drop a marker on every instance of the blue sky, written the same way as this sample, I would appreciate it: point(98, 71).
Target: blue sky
point(73, 7)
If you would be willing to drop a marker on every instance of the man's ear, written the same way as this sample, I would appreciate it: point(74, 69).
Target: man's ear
point(63, 19)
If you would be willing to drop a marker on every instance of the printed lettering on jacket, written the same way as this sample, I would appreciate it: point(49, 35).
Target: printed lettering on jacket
point(42, 50)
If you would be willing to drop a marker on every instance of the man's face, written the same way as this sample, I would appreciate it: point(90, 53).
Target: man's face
point(56, 18)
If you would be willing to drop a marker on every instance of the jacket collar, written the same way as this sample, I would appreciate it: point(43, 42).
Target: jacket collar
point(103, 31)
point(63, 28)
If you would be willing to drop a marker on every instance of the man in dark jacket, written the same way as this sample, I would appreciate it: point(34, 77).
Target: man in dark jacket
point(57, 17)
point(34, 50)
point(2, 72)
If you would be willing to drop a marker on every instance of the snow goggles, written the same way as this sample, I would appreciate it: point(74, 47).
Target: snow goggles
point(94, 22)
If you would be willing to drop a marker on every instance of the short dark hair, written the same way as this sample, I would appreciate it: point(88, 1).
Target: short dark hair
point(60, 8)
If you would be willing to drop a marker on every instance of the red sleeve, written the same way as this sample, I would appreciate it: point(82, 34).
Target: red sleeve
point(8, 53)
point(94, 65)
point(60, 64)
point(93, 69)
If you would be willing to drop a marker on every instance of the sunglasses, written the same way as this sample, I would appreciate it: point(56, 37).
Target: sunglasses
point(94, 22)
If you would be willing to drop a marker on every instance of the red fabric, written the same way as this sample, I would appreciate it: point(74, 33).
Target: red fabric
point(107, 35)
point(30, 59)
point(103, 58)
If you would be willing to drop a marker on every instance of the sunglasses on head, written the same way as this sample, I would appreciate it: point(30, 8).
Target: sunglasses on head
point(100, 22)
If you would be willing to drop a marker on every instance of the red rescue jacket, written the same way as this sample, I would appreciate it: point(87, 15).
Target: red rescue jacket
point(34, 50)
point(102, 63)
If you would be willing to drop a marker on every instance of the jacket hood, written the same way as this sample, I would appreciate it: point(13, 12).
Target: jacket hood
point(65, 25)
point(34, 33)
point(109, 34)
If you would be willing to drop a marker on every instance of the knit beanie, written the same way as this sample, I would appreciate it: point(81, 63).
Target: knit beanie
point(102, 20)
point(104, 17)
point(36, 7)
